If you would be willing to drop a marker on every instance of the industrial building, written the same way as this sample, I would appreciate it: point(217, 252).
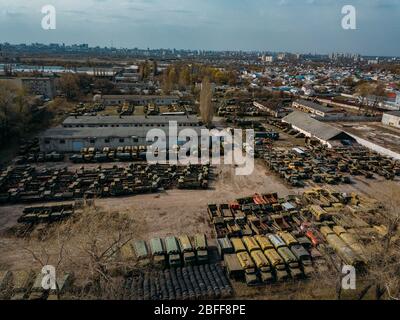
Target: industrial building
point(310, 127)
point(109, 131)
point(391, 119)
point(113, 100)
point(316, 109)
point(277, 111)
point(129, 121)
point(38, 86)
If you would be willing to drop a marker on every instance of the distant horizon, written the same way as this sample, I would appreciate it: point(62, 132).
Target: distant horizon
point(93, 46)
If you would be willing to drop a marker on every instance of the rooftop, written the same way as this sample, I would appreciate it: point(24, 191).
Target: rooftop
point(314, 127)
point(130, 96)
point(375, 132)
point(313, 105)
point(98, 120)
point(114, 132)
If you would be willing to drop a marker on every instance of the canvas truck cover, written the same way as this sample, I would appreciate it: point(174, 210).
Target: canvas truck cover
point(185, 244)
point(200, 242)
point(171, 245)
point(225, 246)
point(232, 263)
point(157, 247)
point(251, 244)
point(288, 238)
point(273, 257)
point(276, 241)
point(260, 259)
point(141, 249)
point(245, 260)
point(264, 242)
point(300, 253)
point(287, 255)
point(238, 245)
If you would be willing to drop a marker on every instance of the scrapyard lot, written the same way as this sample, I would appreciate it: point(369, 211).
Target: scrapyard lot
point(175, 212)
point(170, 212)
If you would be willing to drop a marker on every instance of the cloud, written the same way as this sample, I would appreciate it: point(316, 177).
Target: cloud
point(289, 25)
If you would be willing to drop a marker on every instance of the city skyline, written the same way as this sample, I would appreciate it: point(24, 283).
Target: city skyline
point(302, 26)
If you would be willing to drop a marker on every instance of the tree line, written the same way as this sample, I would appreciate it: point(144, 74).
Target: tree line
point(15, 113)
point(181, 76)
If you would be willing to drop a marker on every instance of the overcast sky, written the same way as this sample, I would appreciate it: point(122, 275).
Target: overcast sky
point(277, 25)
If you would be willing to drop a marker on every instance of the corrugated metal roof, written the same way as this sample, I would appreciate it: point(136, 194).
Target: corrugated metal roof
point(313, 105)
point(136, 97)
point(97, 120)
point(114, 132)
point(316, 128)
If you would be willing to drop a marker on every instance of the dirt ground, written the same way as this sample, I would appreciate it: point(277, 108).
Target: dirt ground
point(175, 212)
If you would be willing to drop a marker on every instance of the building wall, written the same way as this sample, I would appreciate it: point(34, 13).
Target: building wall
point(39, 86)
point(391, 120)
point(308, 109)
point(75, 144)
point(130, 125)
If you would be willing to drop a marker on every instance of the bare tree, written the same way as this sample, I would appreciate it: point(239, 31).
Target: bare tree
point(89, 245)
point(206, 107)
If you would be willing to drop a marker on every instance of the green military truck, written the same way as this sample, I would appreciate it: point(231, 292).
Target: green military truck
point(158, 252)
point(249, 268)
point(263, 266)
point(277, 263)
point(189, 257)
point(173, 252)
point(233, 267)
point(304, 257)
point(291, 261)
point(201, 247)
point(141, 251)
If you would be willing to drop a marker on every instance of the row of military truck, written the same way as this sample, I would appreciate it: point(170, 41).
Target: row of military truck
point(129, 153)
point(28, 184)
point(171, 252)
point(267, 258)
point(310, 226)
point(332, 166)
point(352, 159)
point(22, 284)
point(47, 213)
